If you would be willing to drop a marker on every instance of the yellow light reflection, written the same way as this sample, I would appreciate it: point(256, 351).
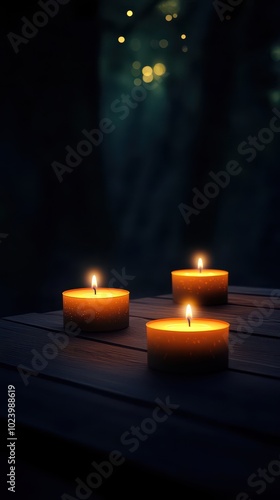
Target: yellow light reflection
point(129, 13)
point(121, 39)
point(147, 71)
point(183, 36)
point(148, 78)
point(159, 69)
point(168, 17)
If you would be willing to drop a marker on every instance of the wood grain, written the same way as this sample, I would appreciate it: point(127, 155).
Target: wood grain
point(124, 372)
point(99, 385)
point(182, 447)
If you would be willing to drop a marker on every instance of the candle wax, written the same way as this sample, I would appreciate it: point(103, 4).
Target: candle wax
point(174, 346)
point(106, 310)
point(208, 287)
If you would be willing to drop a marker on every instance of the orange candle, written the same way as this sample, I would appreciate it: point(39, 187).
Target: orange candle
point(202, 286)
point(187, 345)
point(96, 309)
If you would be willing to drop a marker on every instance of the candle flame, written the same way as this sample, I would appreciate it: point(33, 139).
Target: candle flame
point(94, 282)
point(189, 314)
point(200, 264)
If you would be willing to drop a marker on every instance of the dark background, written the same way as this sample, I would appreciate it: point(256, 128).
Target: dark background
point(118, 212)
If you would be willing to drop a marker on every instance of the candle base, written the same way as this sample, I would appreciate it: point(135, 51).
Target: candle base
point(188, 364)
point(175, 347)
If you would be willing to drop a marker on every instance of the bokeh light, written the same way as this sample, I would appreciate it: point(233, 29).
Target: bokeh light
point(159, 69)
point(129, 13)
point(136, 65)
point(121, 39)
point(168, 17)
point(148, 78)
point(147, 71)
point(137, 82)
point(163, 43)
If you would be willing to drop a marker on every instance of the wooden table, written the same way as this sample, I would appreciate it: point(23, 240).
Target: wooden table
point(85, 401)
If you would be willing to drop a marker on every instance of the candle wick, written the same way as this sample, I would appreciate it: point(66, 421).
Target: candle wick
point(94, 288)
point(189, 321)
point(200, 269)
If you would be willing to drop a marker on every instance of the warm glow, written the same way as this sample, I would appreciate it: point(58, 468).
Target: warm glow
point(168, 17)
point(200, 264)
point(189, 313)
point(175, 15)
point(129, 13)
point(147, 70)
point(183, 36)
point(148, 78)
point(121, 39)
point(159, 69)
point(94, 282)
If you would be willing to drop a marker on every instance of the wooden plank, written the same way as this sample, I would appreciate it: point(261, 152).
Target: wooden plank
point(265, 292)
point(257, 356)
point(241, 319)
point(188, 450)
point(248, 353)
point(269, 303)
point(243, 309)
point(236, 316)
point(248, 290)
point(130, 337)
point(244, 299)
point(229, 398)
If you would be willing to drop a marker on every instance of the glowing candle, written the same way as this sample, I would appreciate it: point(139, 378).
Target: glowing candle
point(201, 286)
point(187, 345)
point(96, 309)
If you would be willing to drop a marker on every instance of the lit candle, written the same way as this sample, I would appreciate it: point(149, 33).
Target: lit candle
point(202, 286)
point(187, 345)
point(96, 309)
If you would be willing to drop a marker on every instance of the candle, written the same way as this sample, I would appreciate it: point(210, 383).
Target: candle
point(202, 286)
point(187, 345)
point(96, 309)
